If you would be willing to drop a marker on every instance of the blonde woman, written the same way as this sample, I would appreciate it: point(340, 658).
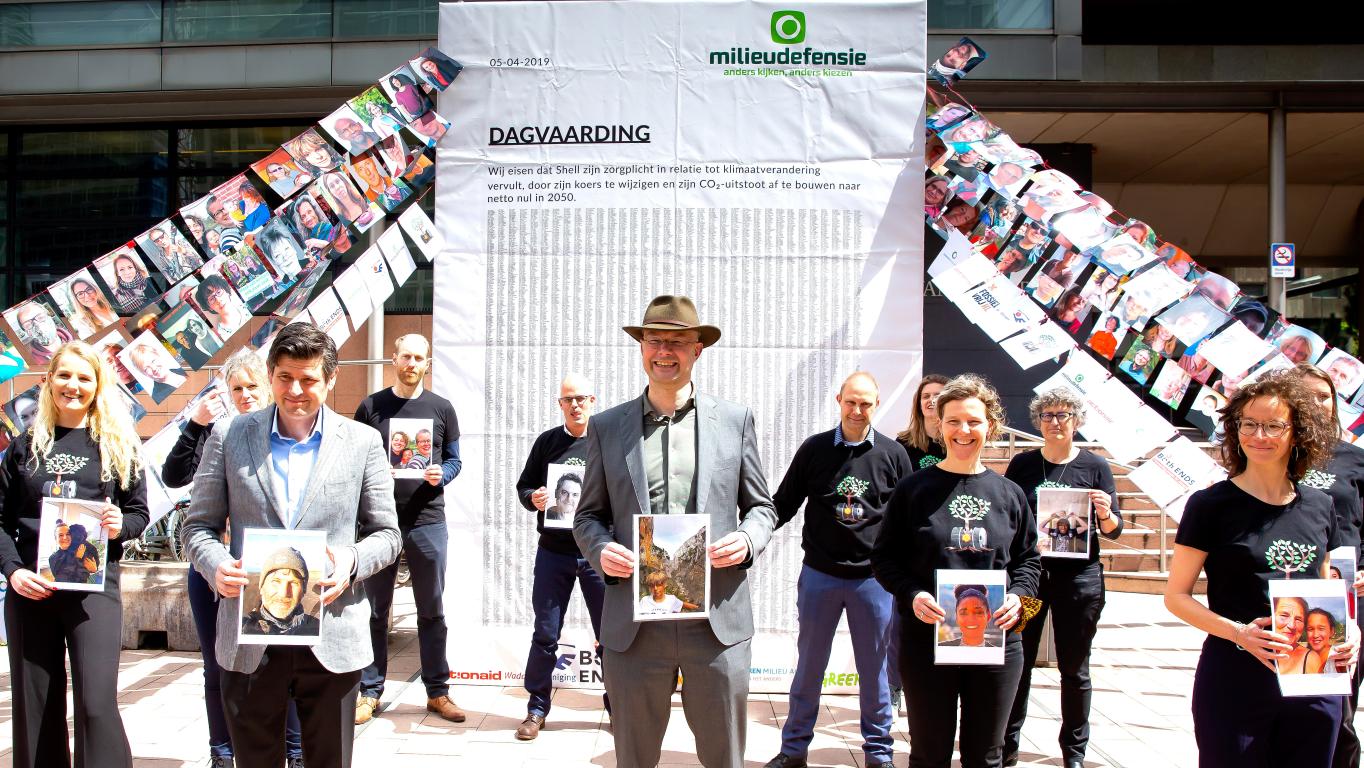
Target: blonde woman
point(248, 385)
point(89, 305)
point(81, 445)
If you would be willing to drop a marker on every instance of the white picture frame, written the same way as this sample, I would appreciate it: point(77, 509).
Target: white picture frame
point(1315, 597)
point(980, 642)
point(259, 547)
point(676, 537)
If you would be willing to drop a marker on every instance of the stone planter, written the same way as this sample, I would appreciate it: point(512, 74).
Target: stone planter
point(156, 599)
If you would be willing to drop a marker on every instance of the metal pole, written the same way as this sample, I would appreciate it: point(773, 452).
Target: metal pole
point(1278, 200)
point(374, 375)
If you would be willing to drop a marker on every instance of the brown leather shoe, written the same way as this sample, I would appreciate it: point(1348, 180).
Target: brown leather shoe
point(366, 707)
point(530, 727)
point(445, 707)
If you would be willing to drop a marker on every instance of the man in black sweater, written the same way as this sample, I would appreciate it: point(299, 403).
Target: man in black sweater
point(421, 519)
point(844, 478)
point(558, 563)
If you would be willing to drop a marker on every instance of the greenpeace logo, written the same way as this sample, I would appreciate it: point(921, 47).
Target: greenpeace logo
point(788, 28)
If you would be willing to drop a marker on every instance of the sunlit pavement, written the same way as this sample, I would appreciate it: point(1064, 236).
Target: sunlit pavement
point(1142, 666)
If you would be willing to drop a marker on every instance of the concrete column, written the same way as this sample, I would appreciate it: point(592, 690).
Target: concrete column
point(1278, 200)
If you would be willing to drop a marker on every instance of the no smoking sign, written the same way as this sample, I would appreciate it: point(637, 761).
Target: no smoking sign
point(1282, 260)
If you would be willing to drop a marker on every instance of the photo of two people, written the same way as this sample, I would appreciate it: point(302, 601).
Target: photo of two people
point(409, 447)
point(73, 546)
point(1312, 614)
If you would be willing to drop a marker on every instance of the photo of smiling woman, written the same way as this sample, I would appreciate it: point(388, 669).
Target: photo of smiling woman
point(1261, 525)
point(957, 515)
point(82, 440)
point(221, 306)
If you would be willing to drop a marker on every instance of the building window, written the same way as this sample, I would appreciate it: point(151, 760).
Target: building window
point(221, 21)
point(360, 19)
point(990, 14)
point(50, 25)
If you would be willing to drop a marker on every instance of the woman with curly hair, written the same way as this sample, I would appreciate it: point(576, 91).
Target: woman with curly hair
point(83, 439)
point(1262, 523)
point(957, 514)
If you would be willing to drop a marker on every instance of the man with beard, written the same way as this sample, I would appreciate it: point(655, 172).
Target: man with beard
point(283, 582)
point(44, 335)
point(421, 520)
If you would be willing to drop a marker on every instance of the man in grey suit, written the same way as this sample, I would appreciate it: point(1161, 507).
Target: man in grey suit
point(673, 451)
point(296, 465)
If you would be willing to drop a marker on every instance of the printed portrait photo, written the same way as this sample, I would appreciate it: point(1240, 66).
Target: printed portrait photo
point(1107, 334)
point(401, 87)
point(429, 127)
point(672, 573)
point(957, 61)
point(1193, 319)
point(1084, 228)
point(565, 485)
point(312, 223)
point(210, 224)
point(1170, 385)
point(248, 273)
point(83, 304)
point(969, 634)
point(188, 333)
point(947, 115)
point(1121, 254)
point(21, 411)
point(410, 447)
point(39, 330)
point(392, 152)
point(377, 112)
point(153, 367)
point(109, 345)
point(313, 154)
point(169, 250)
point(283, 252)
point(220, 305)
point(1064, 518)
point(128, 279)
point(245, 207)
point(281, 603)
point(1299, 345)
point(375, 185)
point(348, 204)
point(349, 130)
point(1312, 613)
point(281, 173)
point(73, 546)
point(1219, 290)
point(1139, 362)
point(436, 69)
point(1345, 371)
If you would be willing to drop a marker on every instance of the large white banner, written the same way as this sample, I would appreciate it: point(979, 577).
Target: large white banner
point(766, 162)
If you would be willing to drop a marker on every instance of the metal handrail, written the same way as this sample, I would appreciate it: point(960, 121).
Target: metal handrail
point(1013, 436)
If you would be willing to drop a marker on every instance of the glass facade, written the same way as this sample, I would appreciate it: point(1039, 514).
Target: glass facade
point(1000, 15)
point(68, 197)
point(153, 22)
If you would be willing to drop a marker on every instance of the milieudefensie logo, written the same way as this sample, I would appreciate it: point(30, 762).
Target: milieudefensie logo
point(788, 28)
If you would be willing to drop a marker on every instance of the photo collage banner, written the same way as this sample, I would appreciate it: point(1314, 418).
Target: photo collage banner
point(168, 300)
point(1047, 268)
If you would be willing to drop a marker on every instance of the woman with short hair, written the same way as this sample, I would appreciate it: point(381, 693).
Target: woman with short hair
point(1071, 589)
point(957, 514)
point(1261, 524)
point(81, 445)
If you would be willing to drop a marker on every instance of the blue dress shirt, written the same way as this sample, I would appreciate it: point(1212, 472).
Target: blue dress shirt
point(292, 463)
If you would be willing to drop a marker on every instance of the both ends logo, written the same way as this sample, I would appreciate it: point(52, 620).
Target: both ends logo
point(788, 27)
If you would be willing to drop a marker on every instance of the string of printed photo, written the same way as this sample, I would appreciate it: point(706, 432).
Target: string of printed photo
point(232, 253)
point(1044, 267)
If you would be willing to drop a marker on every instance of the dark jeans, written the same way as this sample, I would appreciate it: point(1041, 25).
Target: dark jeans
point(425, 547)
point(1075, 599)
point(41, 633)
point(931, 695)
point(1241, 719)
point(203, 605)
point(1347, 742)
point(256, 704)
point(821, 600)
point(555, 575)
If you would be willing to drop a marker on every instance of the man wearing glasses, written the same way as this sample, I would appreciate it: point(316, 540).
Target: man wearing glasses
point(421, 520)
point(558, 563)
point(44, 335)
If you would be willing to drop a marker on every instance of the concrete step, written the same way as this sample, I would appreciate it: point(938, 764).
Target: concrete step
point(1136, 537)
point(1123, 559)
point(1145, 582)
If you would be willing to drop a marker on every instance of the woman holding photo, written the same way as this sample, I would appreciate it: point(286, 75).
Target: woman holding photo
point(1342, 480)
point(1263, 523)
point(1072, 589)
point(89, 305)
point(248, 385)
point(82, 435)
point(940, 518)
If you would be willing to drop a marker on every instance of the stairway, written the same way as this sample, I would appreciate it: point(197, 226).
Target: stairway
point(1132, 562)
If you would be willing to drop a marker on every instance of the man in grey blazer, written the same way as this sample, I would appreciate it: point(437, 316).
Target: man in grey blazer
point(674, 451)
point(296, 465)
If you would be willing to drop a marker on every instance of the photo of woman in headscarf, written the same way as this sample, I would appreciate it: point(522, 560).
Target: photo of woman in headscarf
point(75, 559)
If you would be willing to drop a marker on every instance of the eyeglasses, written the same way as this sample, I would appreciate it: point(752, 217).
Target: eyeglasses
point(1060, 417)
point(575, 400)
point(1271, 429)
point(85, 293)
point(674, 345)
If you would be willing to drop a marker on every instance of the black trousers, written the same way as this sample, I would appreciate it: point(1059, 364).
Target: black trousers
point(1347, 742)
point(1241, 719)
point(257, 705)
point(1075, 598)
point(88, 626)
point(932, 692)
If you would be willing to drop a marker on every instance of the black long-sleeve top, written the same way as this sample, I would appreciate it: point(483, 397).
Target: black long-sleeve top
point(924, 531)
point(183, 459)
point(23, 484)
point(840, 525)
point(1030, 470)
point(1343, 480)
point(553, 446)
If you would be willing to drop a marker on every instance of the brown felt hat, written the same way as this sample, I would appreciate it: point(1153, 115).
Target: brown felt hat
point(673, 313)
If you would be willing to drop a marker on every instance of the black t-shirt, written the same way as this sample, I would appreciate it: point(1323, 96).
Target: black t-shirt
point(72, 461)
point(926, 528)
point(924, 459)
point(844, 489)
point(419, 502)
point(1032, 471)
point(553, 446)
point(1343, 481)
point(1249, 542)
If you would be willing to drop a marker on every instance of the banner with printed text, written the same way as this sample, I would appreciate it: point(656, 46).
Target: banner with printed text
point(765, 161)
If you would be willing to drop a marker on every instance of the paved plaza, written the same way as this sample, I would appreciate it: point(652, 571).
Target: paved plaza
point(1143, 667)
